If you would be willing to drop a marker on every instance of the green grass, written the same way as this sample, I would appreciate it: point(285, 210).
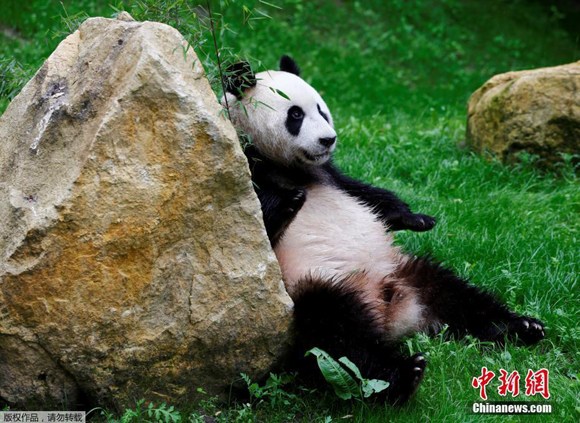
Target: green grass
point(397, 76)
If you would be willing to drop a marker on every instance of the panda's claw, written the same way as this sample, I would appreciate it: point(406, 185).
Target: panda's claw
point(418, 364)
point(298, 197)
point(419, 361)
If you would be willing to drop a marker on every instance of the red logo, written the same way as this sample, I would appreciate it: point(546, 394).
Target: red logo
point(537, 383)
point(482, 381)
point(509, 383)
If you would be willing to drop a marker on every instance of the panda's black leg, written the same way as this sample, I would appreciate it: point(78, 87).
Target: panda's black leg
point(465, 308)
point(333, 316)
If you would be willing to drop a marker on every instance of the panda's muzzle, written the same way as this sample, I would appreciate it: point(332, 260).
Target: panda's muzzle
point(314, 158)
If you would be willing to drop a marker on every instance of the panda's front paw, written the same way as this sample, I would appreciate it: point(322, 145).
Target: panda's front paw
point(526, 329)
point(295, 200)
point(418, 222)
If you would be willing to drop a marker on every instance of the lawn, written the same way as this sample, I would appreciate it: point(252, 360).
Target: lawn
point(397, 76)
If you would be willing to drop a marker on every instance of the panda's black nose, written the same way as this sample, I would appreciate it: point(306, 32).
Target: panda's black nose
point(327, 142)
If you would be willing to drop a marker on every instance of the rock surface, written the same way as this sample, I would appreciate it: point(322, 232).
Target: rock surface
point(133, 259)
point(537, 111)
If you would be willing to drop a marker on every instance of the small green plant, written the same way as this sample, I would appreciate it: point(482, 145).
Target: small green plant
point(278, 400)
point(344, 384)
point(145, 414)
point(245, 414)
point(272, 391)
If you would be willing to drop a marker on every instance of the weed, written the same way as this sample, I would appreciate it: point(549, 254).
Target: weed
point(12, 77)
point(339, 374)
point(273, 390)
point(145, 413)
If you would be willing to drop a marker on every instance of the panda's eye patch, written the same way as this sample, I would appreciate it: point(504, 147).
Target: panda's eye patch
point(296, 113)
point(324, 115)
point(294, 120)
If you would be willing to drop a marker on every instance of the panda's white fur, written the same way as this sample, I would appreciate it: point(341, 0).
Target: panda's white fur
point(344, 243)
point(351, 241)
point(355, 292)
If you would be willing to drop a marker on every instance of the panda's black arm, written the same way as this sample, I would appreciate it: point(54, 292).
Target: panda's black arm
point(392, 210)
point(279, 205)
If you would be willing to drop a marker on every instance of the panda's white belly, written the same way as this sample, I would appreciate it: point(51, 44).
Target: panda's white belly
point(332, 236)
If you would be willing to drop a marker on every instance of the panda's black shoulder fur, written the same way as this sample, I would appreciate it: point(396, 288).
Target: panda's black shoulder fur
point(282, 191)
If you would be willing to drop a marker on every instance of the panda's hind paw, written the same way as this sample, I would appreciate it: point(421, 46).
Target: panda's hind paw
point(526, 329)
point(419, 363)
point(410, 376)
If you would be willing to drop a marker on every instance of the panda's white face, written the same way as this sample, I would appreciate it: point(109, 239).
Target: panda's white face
point(286, 119)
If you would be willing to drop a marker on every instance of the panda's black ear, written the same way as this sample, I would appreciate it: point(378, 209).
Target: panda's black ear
point(287, 64)
point(238, 78)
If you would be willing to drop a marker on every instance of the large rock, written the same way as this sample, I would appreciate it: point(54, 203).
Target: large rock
point(537, 111)
point(133, 259)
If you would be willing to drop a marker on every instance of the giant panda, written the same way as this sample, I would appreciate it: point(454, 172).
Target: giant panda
point(355, 293)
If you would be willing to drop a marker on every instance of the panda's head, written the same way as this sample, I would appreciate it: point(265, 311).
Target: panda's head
point(285, 118)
